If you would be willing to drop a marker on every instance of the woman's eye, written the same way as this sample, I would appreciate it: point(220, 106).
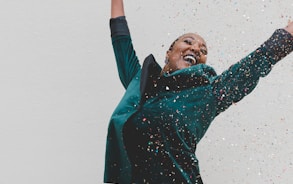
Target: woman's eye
point(204, 51)
point(188, 42)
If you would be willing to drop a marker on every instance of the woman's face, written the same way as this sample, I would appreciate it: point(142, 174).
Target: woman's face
point(189, 49)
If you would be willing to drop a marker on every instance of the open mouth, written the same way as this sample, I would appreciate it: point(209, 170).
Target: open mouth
point(190, 59)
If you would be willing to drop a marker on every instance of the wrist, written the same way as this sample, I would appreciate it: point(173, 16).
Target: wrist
point(289, 27)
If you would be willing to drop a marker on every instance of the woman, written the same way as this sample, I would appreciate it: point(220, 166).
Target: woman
point(164, 113)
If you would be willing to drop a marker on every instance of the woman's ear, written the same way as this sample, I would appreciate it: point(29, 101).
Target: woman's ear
point(167, 57)
point(166, 61)
point(167, 53)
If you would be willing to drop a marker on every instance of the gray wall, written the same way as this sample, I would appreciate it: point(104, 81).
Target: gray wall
point(59, 87)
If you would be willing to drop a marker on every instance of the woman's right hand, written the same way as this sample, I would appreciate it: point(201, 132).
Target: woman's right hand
point(117, 8)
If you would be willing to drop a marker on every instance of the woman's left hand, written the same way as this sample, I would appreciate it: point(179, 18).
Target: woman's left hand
point(289, 27)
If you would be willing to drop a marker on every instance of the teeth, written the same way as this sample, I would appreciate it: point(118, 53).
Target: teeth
point(190, 59)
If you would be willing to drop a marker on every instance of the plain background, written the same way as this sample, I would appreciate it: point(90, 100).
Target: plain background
point(59, 87)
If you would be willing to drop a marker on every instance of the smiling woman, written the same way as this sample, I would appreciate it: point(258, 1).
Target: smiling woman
point(155, 129)
point(189, 49)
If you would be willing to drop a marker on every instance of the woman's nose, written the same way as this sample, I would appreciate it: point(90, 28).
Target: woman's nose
point(195, 47)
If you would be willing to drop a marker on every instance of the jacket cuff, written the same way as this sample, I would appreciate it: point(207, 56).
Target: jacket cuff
point(118, 26)
point(278, 45)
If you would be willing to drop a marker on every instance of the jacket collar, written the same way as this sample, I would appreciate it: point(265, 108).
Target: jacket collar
point(150, 71)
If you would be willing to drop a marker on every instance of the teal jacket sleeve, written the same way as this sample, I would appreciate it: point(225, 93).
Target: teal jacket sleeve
point(241, 78)
point(126, 59)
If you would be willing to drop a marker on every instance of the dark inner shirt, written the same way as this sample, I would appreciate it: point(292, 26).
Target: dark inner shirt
point(159, 143)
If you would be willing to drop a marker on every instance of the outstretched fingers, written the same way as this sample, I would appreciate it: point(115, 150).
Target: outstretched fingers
point(289, 27)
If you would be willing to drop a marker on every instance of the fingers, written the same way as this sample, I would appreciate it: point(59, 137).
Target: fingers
point(289, 27)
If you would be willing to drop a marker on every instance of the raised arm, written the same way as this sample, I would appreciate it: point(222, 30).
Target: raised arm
point(117, 8)
point(241, 78)
point(126, 59)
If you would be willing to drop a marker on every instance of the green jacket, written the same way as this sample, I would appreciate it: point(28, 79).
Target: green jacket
point(197, 93)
